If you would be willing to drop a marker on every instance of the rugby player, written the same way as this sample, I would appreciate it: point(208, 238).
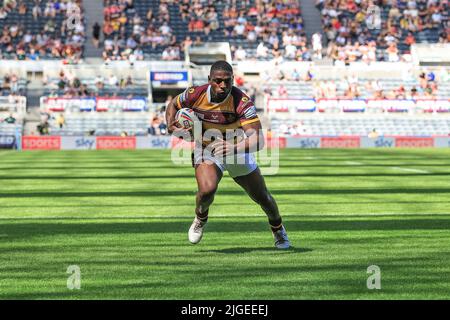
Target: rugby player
point(220, 105)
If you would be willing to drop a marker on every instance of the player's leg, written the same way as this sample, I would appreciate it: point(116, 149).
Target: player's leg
point(208, 176)
point(255, 186)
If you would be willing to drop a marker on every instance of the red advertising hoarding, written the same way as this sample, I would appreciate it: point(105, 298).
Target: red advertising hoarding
point(412, 142)
point(340, 142)
point(41, 143)
point(109, 143)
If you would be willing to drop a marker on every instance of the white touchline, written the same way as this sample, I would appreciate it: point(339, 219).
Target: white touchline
point(410, 170)
point(354, 162)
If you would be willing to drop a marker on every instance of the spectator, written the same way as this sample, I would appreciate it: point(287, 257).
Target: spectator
point(373, 134)
point(261, 50)
point(282, 91)
point(113, 81)
point(96, 34)
point(317, 45)
point(10, 119)
point(60, 121)
point(240, 54)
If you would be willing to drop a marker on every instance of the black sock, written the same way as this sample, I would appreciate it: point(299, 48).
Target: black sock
point(203, 217)
point(276, 225)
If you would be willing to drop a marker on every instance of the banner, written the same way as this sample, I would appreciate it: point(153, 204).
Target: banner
point(78, 143)
point(168, 76)
point(41, 143)
point(442, 105)
point(354, 105)
point(303, 142)
point(122, 104)
point(414, 142)
point(177, 79)
point(153, 142)
point(425, 106)
point(291, 105)
point(169, 142)
point(395, 105)
point(7, 142)
point(177, 143)
point(328, 105)
point(69, 104)
point(116, 143)
point(442, 142)
point(275, 105)
point(340, 142)
point(279, 142)
point(380, 142)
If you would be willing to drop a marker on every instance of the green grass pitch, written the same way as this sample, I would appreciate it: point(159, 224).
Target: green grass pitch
point(123, 217)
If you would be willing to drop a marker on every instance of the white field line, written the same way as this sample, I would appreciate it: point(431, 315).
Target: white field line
point(354, 163)
point(410, 170)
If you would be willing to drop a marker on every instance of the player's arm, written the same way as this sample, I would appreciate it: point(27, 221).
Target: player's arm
point(180, 101)
point(171, 111)
point(254, 140)
point(251, 125)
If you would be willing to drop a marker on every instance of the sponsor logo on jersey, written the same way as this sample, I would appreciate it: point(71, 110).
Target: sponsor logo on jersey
point(250, 112)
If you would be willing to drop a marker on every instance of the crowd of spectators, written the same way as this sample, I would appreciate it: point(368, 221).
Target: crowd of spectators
point(158, 125)
point(268, 27)
point(70, 86)
point(58, 31)
point(425, 86)
point(356, 29)
point(152, 30)
point(274, 27)
point(10, 84)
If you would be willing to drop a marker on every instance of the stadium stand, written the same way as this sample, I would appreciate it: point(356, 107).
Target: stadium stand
point(138, 29)
point(11, 83)
point(361, 126)
point(381, 30)
point(12, 115)
point(268, 33)
point(428, 84)
point(100, 124)
point(68, 85)
point(35, 30)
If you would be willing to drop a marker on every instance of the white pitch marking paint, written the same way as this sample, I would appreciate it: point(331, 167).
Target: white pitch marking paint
point(410, 170)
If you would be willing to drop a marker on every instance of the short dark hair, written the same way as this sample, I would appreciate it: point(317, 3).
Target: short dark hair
point(221, 65)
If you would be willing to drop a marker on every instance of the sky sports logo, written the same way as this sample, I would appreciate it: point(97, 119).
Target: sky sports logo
point(41, 143)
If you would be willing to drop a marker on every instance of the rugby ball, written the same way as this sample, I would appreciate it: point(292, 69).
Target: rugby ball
point(186, 118)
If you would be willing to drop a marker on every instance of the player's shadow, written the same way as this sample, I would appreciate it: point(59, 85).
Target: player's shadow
point(236, 250)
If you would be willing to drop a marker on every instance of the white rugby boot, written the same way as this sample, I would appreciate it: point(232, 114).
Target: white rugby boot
point(281, 239)
point(196, 231)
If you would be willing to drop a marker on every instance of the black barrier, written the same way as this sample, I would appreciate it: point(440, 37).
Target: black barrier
point(7, 142)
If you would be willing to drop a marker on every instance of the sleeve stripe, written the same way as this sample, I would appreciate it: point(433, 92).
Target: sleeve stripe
point(249, 121)
point(178, 103)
